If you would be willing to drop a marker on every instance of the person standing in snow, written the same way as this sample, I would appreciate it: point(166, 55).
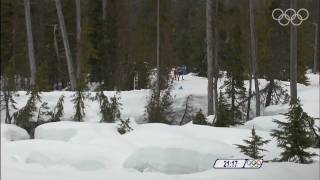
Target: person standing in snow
point(175, 73)
point(180, 73)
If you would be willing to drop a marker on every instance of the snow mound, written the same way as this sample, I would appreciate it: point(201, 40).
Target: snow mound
point(74, 131)
point(264, 123)
point(47, 161)
point(10, 132)
point(169, 160)
point(49, 154)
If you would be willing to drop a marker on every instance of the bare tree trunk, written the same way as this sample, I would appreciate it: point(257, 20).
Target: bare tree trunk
point(62, 25)
point(249, 98)
point(158, 52)
point(185, 110)
point(216, 61)
point(250, 88)
point(210, 54)
point(254, 57)
point(316, 41)
point(293, 57)
point(78, 24)
point(32, 60)
point(104, 9)
point(269, 94)
point(56, 48)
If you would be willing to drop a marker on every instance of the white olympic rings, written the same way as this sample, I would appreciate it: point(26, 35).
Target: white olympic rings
point(255, 163)
point(290, 15)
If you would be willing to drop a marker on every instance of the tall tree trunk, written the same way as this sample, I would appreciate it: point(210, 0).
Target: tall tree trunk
point(32, 60)
point(233, 99)
point(78, 24)
point(216, 61)
point(269, 94)
point(250, 88)
point(318, 57)
point(315, 56)
point(210, 54)
point(63, 29)
point(56, 48)
point(293, 57)
point(158, 53)
point(104, 9)
point(249, 98)
point(254, 56)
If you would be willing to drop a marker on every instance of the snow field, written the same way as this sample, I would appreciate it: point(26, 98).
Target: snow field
point(88, 150)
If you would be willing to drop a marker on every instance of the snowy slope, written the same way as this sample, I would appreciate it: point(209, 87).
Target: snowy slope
point(151, 151)
point(88, 150)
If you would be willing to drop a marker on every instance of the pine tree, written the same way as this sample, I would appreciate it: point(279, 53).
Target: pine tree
point(23, 117)
point(253, 147)
point(294, 136)
point(115, 113)
point(124, 126)
point(8, 103)
point(232, 63)
point(78, 100)
point(224, 117)
point(8, 92)
point(159, 109)
point(104, 106)
point(109, 109)
point(58, 110)
point(42, 79)
point(43, 112)
point(200, 118)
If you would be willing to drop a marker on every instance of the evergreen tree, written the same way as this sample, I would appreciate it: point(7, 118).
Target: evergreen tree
point(109, 109)
point(42, 78)
point(115, 113)
point(85, 51)
point(294, 136)
point(124, 126)
point(275, 93)
point(58, 110)
point(159, 109)
point(253, 147)
point(224, 114)
point(43, 112)
point(234, 68)
point(8, 104)
point(8, 92)
point(200, 118)
point(78, 100)
point(23, 117)
point(104, 107)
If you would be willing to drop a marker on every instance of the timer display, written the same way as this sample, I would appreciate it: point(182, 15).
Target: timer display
point(238, 163)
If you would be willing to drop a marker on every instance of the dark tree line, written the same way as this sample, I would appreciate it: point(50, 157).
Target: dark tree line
point(53, 44)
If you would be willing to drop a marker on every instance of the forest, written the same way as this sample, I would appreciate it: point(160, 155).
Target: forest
point(115, 79)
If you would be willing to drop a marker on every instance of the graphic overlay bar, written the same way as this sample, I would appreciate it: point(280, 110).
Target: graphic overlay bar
point(238, 164)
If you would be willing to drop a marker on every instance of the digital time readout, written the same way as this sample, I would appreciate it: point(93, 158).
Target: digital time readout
point(238, 163)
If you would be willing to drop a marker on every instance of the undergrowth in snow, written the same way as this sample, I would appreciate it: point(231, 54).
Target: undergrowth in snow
point(88, 150)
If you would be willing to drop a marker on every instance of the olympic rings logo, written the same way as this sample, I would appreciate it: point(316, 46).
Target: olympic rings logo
point(255, 163)
point(290, 15)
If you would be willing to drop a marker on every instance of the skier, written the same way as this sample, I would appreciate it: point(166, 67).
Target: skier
point(175, 74)
point(180, 73)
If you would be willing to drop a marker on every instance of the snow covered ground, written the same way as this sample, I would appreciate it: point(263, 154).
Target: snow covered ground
point(88, 150)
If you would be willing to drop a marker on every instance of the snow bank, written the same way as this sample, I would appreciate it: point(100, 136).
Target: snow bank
point(88, 150)
point(56, 153)
point(96, 151)
point(264, 123)
point(10, 132)
point(170, 160)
